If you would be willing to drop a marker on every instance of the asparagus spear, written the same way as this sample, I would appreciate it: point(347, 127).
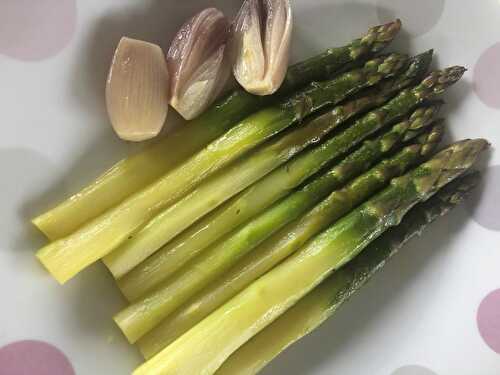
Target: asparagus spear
point(326, 64)
point(138, 171)
point(240, 175)
point(204, 348)
point(66, 257)
point(324, 300)
point(292, 236)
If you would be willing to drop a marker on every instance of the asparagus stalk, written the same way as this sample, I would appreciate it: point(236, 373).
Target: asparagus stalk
point(138, 171)
point(204, 348)
point(66, 257)
point(162, 229)
point(311, 311)
point(292, 236)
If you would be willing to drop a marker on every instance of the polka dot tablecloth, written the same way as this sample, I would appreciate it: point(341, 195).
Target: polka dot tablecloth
point(435, 310)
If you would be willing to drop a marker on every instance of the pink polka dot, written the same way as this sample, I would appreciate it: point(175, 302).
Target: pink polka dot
point(488, 320)
point(483, 202)
point(36, 29)
point(33, 358)
point(413, 370)
point(418, 16)
point(487, 76)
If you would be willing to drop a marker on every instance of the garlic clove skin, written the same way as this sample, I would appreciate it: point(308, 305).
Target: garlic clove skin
point(204, 86)
point(260, 44)
point(198, 63)
point(278, 41)
point(246, 44)
point(137, 90)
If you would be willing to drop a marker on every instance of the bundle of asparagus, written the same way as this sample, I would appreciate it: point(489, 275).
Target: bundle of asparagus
point(252, 216)
point(323, 301)
point(272, 187)
point(246, 171)
point(204, 348)
point(290, 238)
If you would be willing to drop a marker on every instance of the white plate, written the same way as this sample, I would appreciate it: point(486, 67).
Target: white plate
point(418, 317)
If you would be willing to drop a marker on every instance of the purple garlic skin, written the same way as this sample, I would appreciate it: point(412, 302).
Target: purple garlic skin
point(198, 63)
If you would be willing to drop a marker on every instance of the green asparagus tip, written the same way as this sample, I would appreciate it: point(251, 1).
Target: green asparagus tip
point(428, 141)
point(407, 131)
point(419, 64)
point(387, 64)
point(425, 56)
point(439, 80)
point(439, 123)
point(380, 36)
point(431, 139)
point(450, 163)
point(423, 116)
point(428, 178)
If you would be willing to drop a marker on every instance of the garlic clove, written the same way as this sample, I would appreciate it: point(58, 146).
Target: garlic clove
point(260, 44)
point(203, 87)
point(198, 63)
point(137, 90)
point(247, 47)
point(278, 40)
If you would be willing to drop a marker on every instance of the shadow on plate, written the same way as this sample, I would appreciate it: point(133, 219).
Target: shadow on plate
point(91, 300)
point(24, 172)
point(454, 99)
point(330, 25)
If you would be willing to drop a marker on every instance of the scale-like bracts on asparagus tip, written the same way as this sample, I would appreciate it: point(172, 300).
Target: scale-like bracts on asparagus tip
point(320, 304)
point(326, 64)
point(136, 172)
point(320, 94)
point(226, 283)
